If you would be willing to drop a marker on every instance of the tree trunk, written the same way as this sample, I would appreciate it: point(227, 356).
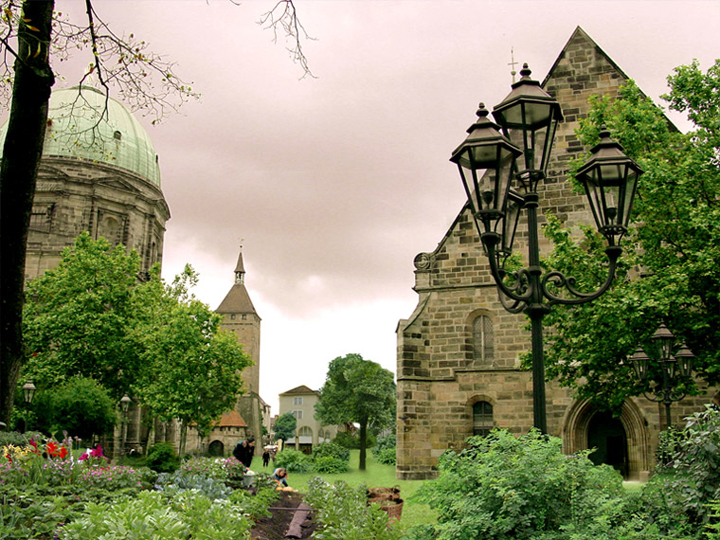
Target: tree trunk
point(363, 444)
point(18, 174)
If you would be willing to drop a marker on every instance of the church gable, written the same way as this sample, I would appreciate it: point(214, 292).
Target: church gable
point(458, 353)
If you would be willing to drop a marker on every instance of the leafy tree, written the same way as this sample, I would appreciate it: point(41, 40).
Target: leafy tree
point(79, 317)
point(285, 426)
point(92, 316)
point(671, 270)
point(80, 406)
point(361, 391)
point(191, 369)
point(144, 79)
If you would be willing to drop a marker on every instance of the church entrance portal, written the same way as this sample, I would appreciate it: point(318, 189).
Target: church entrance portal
point(607, 435)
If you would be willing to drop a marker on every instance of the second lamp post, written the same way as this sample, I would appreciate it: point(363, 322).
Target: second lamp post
point(501, 173)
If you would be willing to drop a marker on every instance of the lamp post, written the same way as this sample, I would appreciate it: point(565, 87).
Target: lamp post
point(125, 406)
point(501, 173)
point(28, 394)
point(674, 368)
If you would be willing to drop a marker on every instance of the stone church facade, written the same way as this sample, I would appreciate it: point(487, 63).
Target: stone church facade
point(458, 368)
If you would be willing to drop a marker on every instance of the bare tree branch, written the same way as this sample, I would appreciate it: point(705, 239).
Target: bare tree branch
point(283, 18)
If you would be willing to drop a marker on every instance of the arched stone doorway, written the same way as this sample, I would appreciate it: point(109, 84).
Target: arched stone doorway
point(583, 423)
point(607, 435)
point(216, 448)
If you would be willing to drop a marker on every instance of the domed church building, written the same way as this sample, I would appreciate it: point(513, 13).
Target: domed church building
point(99, 173)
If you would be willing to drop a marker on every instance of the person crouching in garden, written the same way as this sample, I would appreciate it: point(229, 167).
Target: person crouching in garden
point(280, 476)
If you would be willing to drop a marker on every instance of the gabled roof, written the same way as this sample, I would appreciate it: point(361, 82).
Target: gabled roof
point(299, 390)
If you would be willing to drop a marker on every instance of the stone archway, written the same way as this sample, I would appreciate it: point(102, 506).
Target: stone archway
point(216, 448)
point(578, 426)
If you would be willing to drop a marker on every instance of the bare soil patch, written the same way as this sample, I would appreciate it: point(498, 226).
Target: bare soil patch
point(275, 527)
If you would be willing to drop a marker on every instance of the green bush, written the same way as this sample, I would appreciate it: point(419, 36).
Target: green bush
point(345, 514)
point(330, 465)
point(81, 406)
point(503, 487)
point(689, 465)
point(294, 461)
point(385, 450)
point(331, 449)
point(162, 457)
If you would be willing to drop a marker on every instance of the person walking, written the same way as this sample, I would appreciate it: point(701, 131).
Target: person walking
point(266, 457)
point(244, 451)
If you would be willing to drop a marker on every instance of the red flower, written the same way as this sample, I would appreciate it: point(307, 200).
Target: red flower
point(63, 452)
point(52, 449)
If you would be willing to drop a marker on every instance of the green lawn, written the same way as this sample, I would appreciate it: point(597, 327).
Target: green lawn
point(375, 475)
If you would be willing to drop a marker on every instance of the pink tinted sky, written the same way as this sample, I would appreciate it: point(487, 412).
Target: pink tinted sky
point(333, 184)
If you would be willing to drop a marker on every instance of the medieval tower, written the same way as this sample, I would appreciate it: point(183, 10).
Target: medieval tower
point(240, 318)
point(458, 368)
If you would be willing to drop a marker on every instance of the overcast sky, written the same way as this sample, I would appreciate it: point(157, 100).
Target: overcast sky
point(333, 184)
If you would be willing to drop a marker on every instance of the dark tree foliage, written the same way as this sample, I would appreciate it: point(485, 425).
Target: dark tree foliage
point(285, 427)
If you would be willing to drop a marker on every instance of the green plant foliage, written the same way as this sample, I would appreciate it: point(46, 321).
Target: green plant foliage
point(345, 514)
point(330, 465)
point(256, 506)
point(294, 460)
point(675, 240)
point(80, 406)
point(714, 525)
point(154, 516)
point(502, 488)
point(285, 426)
point(162, 457)
point(331, 449)
point(180, 481)
point(690, 470)
point(385, 450)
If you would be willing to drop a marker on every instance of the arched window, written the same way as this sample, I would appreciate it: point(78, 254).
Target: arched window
point(483, 340)
point(305, 434)
point(482, 418)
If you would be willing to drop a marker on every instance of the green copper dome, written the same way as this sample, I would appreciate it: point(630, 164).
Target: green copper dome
point(80, 126)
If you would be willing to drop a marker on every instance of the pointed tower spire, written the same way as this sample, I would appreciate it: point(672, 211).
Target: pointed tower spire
point(240, 268)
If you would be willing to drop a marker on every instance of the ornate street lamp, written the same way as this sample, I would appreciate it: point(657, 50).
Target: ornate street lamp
point(501, 172)
point(125, 406)
point(674, 369)
point(28, 392)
